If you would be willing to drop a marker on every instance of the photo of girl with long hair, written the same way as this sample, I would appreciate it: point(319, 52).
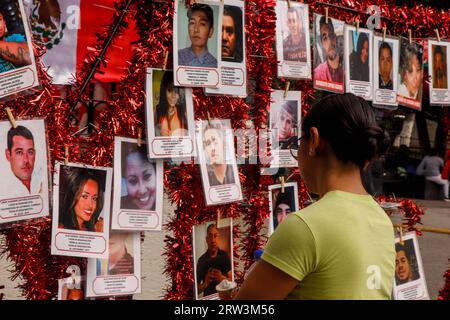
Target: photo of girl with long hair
point(82, 198)
point(170, 112)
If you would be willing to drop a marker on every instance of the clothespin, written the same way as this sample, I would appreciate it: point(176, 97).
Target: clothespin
point(289, 3)
point(410, 36)
point(384, 33)
point(11, 117)
point(282, 184)
point(166, 57)
point(66, 154)
point(209, 118)
point(286, 89)
point(326, 15)
point(139, 140)
point(437, 35)
point(400, 230)
point(219, 216)
point(357, 26)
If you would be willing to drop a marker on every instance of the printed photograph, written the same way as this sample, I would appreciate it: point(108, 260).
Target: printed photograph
point(82, 198)
point(411, 72)
point(24, 171)
point(218, 159)
point(328, 54)
point(410, 283)
point(213, 256)
point(198, 30)
point(282, 203)
point(232, 34)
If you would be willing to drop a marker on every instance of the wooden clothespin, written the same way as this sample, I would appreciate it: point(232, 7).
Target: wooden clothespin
point(209, 118)
point(289, 3)
point(437, 35)
point(400, 230)
point(357, 26)
point(410, 36)
point(326, 15)
point(282, 184)
point(139, 140)
point(219, 216)
point(66, 154)
point(384, 33)
point(166, 57)
point(11, 117)
point(286, 89)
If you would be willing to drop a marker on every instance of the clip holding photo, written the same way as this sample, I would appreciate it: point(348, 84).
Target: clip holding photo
point(10, 117)
point(139, 139)
point(286, 89)
point(66, 154)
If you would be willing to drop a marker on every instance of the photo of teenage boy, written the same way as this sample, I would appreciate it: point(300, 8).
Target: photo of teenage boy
point(200, 29)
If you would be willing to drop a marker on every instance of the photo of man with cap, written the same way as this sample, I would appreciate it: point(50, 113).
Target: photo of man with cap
point(200, 29)
point(284, 125)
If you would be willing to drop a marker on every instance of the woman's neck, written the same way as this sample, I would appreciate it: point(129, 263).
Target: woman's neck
point(339, 176)
point(172, 110)
point(80, 224)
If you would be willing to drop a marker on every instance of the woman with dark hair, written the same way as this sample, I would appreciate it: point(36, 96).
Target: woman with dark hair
point(359, 61)
point(170, 115)
point(139, 176)
point(411, 72)
point(342, 246)
point(82, 201)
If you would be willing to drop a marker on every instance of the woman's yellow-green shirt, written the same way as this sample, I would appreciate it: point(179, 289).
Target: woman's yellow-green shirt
point(341, 247)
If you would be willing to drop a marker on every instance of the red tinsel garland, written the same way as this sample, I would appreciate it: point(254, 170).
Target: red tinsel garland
point(28, 245)
point(444, 293)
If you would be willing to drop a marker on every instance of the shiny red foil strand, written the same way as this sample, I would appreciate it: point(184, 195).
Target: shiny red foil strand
point(28, 245)
point(410, 210)
point(261, 63)
point(444, 293)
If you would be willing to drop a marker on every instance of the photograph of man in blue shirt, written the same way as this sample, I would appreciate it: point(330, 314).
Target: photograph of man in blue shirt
point(200, 28)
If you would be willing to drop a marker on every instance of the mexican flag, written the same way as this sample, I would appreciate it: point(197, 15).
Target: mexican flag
point(68, 29)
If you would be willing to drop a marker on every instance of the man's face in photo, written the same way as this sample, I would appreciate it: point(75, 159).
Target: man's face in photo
point(284, 125)
point(439, 65)
point(294, 24)
point(214, 146)
point(212, 239)
point(199, 29)
point(282, 211)
point(385, 64)
point(21, 157)
point(328, 39)
point(228, 37)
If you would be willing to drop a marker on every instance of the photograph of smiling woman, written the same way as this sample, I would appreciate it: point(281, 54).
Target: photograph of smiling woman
point(138, 178)
point(82, 199)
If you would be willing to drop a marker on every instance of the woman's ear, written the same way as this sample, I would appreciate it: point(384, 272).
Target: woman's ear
point(314, 140)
